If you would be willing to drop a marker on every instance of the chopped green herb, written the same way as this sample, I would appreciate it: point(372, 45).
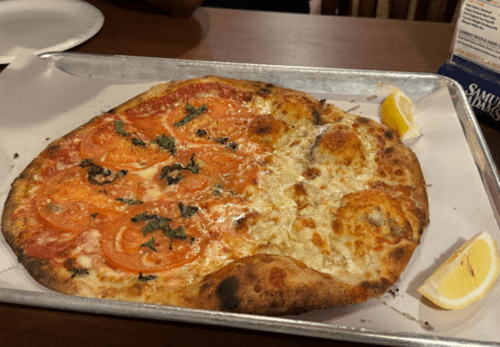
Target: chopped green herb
point(221, 140)
point(150, 244)
point(137, 141)
point(170, 168)
point(119, 128)
point(201, 132)
point(94, 215)
point(177, 233)
point(146, 278)
point(130, 201)
point(140, 217)
point(174, 180)
point(192, 113)
point(187, 211)
point(97, 174)
point(78, 272)
point(191, 166)
point(156, 222)
point(166, 142)
point(217, 192)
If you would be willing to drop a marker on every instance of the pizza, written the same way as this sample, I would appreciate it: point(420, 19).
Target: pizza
point(221, 194)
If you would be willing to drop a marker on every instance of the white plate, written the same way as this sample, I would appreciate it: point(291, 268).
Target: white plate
point(41, 26)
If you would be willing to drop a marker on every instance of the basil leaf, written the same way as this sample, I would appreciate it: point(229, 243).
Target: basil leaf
point(166, 142)
point(166, 170)
point(177, 233)
point(150, 244)
point(192, 166)
point(139, 218)
point(146, 278)
point(221, 140)
point(201, 132)
point(159, 223)
point(170, 168)
point(97, 174)
point(193, 113)
point(187, 211)
point(155, 222)
point(119, 128)
point(130, 201)
point(137, 141)
point(174, 180)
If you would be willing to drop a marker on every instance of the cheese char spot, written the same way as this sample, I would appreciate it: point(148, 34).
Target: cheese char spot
point(311, 173)
point(344, 145)
point(267, 130)
point(288, 105)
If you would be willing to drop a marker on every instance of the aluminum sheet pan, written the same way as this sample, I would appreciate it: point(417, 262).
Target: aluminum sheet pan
point(312, 80)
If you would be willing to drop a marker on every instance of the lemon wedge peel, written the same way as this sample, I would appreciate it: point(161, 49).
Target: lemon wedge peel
point(466, 276)
point(397, 113)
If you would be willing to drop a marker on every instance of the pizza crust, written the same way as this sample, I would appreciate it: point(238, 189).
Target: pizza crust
point(306, 246)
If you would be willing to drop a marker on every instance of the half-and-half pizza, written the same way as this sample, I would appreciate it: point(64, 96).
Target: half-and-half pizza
point(221, 194)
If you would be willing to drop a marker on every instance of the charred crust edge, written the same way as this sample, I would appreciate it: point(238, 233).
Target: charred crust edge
point(227, 293)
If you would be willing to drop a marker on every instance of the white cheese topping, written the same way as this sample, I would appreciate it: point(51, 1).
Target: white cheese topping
point(304, 231)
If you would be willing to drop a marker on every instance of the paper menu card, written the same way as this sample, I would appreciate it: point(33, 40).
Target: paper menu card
point(474, 59)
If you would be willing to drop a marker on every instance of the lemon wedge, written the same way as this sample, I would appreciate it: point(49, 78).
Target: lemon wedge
point(397, 114)
point(466, 276)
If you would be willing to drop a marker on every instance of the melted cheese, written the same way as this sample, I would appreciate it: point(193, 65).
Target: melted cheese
point(305, 232)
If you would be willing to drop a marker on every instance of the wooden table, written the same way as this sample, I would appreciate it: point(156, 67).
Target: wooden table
point(230, 36)
point(273, 38)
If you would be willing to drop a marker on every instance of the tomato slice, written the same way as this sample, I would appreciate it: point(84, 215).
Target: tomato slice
point(217, 120)
point(68, 202)
point(130, 189)
point(186, 92)
point(115, 150)
point(67, 152)
point(49, 243)
point(128, 247)
point(219, 169)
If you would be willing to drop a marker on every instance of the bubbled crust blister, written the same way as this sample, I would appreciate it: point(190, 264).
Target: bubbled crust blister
point(382, 222)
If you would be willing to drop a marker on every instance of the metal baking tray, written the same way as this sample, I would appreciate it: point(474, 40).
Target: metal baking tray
point(309, 79)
